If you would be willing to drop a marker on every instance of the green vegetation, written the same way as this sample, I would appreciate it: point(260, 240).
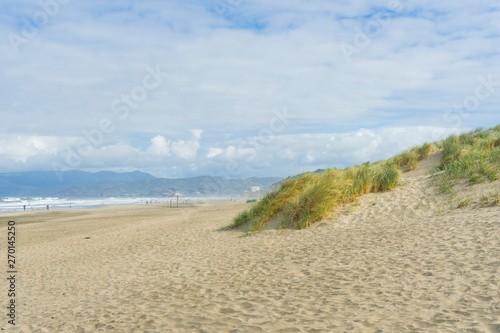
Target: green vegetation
point(464, 203)
point(492, 199)
point(409, 159)
point(310, 197)
point(474, 155)
point(301, 201)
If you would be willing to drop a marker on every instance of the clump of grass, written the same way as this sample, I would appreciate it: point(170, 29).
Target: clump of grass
point(272, 204)
point(445, 185)
point(492, 199)
point(464, 203)
point(386, 177)
point(316, 200)
point(476, 179)
point(409, 159)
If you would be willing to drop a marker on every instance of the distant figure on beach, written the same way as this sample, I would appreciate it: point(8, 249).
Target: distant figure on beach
point(47, 207)
point(24, 207)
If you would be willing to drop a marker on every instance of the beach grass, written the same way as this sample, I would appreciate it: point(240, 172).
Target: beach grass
point(310, 197)
point(301, 201)
point(491, 199)
point(474, 155)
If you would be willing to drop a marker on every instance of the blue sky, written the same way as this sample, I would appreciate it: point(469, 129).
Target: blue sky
point(239, 88)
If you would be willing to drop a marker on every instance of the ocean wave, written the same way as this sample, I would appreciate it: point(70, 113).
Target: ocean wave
point(12, 204)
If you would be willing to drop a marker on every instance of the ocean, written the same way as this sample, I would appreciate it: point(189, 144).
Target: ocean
point(13, 204)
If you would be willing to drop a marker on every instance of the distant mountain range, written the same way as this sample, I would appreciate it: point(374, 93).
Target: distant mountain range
point(76, 183)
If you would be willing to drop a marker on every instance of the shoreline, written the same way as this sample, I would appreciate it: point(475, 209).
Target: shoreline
point(77, 203)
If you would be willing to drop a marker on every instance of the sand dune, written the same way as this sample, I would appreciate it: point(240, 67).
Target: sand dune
point(403, 261)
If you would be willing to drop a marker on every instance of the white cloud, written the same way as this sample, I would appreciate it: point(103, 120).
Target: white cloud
point(212, 152)
point(282, 155)
point(187, 149)
point(19, 148)
point(159, 146)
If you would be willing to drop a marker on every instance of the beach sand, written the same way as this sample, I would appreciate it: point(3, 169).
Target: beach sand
point(403, 261)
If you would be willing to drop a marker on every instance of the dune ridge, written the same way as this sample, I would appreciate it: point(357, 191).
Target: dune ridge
point(305, 199)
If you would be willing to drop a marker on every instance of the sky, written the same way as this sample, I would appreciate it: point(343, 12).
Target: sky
point(239, 88)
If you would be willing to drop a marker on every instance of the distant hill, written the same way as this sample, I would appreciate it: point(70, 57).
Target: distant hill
point(107, 183)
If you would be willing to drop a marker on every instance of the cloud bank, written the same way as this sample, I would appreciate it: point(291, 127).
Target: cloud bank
point(183, 88)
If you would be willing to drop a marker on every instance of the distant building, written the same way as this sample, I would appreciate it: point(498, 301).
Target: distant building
point(254, 189)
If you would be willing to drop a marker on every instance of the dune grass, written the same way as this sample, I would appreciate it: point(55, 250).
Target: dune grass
point(301, 201)
point(491, 199)
point(474, 155)
point(310, 197)
point(273, 203)
point(409, 159)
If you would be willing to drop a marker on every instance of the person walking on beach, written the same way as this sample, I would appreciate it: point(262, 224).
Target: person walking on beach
point(47, 207)
point(24, 207)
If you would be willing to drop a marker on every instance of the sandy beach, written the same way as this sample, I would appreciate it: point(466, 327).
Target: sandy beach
point(239, 166)
point(402, 261)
